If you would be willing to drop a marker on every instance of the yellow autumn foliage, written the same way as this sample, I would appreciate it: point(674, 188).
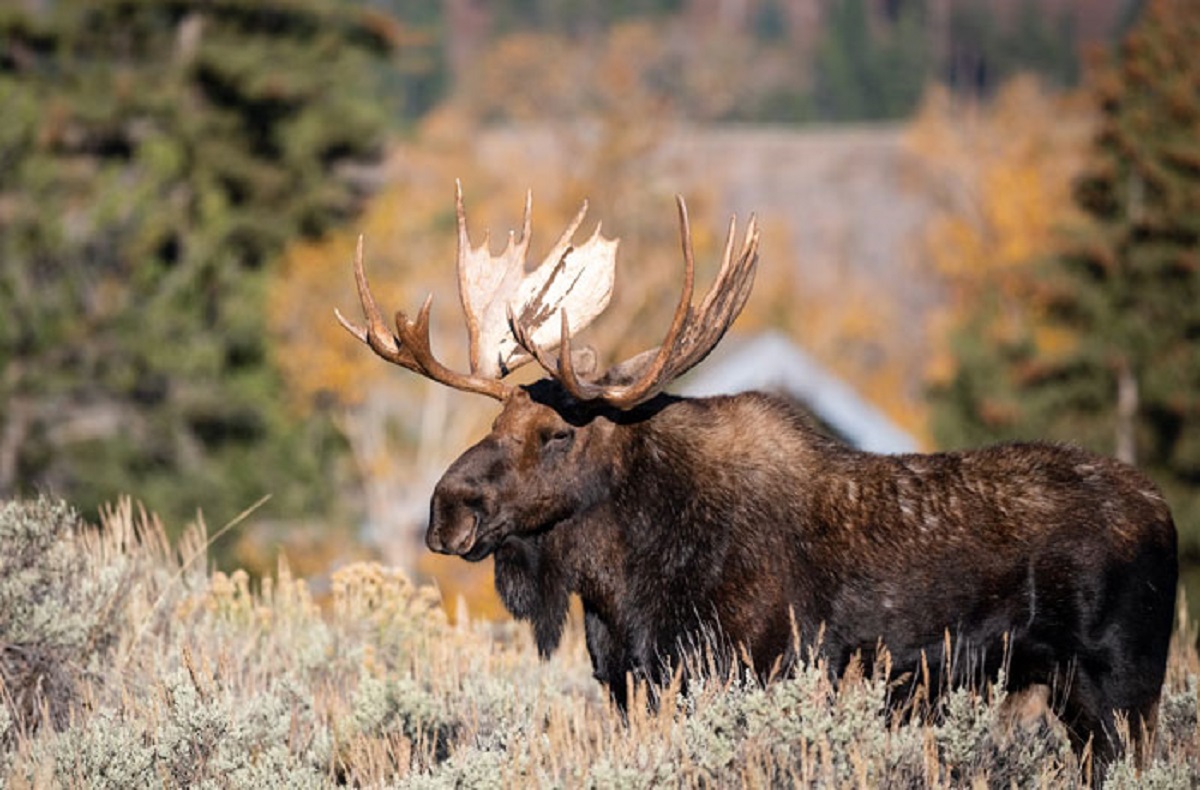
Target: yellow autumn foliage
point(1007, 167)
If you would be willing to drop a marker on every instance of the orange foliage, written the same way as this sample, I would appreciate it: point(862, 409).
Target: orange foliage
point(1007, 169)
point(315, 277)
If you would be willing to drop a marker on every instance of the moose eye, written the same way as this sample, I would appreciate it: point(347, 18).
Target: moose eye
point(556, 438)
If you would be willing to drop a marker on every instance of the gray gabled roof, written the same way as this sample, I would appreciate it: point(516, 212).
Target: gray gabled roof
point(771, 362)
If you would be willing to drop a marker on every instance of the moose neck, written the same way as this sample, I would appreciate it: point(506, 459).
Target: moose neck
point(680, 520)
point(676, 542)
point(658, 489)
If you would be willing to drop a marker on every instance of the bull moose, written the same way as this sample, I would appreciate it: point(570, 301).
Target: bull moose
point(678, 519)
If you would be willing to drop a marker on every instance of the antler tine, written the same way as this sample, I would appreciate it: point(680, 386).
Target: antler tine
point(415, 337)
point(732, 286)
point(364, 298)
point(375, 334)
point(692, 334)
point(409, 347)
point(683, 311)
point(564, 239)
point(523, 337)
point(579, 389)
point(724, 301)
point(655, 374)
point(747, 267)
point(464, 247)
point(723, 273)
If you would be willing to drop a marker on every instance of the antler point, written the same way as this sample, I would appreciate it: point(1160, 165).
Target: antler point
point(350, 326)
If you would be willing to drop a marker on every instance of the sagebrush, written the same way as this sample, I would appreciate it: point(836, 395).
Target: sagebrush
point(125, 663)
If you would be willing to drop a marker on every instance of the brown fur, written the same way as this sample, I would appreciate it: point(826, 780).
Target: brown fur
point(733, 517)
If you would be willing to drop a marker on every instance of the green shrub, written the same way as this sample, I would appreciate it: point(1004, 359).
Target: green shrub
point(58, 615)
point(384, 706)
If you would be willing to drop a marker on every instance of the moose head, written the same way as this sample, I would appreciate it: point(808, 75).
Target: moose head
point(548, 455)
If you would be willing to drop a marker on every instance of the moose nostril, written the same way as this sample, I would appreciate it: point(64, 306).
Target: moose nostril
point(452, 528)
point(464, 541)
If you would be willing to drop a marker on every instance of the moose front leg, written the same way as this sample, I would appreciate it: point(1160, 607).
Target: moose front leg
point(618, 666)
point(602, 648)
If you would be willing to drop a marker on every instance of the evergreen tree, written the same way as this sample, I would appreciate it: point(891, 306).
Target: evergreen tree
point(985, 51)
point(154, 158)
point(1127, 290)
point(867, 74)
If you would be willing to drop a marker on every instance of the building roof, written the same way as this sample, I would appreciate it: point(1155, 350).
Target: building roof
point(771, 362)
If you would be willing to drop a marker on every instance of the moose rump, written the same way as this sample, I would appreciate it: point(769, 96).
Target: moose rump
point(1055, 564)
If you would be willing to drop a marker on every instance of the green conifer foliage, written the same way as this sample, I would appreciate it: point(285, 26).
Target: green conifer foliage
point(1127, 287)
point(871, 72)
point(155, 155)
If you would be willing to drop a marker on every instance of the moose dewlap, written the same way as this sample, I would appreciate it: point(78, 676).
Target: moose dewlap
point(732, 522)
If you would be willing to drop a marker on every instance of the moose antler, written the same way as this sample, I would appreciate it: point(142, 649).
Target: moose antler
point(579, 278)
point(692, 335)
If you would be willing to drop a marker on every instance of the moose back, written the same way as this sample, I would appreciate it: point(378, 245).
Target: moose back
point(732, 522)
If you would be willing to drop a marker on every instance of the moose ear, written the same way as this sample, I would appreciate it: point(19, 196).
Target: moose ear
point(627, 372)
point(585, 361)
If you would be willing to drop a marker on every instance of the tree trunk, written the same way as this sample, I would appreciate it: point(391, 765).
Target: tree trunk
point(1127, 407)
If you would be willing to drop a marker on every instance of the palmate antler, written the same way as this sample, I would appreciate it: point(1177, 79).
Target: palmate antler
point(514, 317)
point(693, 333)
point(579, 278)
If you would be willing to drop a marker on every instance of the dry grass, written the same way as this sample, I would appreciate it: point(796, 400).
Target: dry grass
point(151, 671)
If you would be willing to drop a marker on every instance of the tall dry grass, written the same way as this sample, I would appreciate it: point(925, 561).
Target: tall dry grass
point(125, 663)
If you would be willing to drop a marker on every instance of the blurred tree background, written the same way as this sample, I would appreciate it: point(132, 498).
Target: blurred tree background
point(156, 158)
point(1003, 204)
point(1092, 337)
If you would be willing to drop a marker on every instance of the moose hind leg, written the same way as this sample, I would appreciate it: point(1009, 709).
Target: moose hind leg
point(1097, 705)
point(1090, 721)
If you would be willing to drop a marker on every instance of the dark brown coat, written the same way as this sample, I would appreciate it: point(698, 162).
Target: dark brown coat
point(733, 516)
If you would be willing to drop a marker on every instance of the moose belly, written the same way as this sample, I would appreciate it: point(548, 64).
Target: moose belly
point(956, 627)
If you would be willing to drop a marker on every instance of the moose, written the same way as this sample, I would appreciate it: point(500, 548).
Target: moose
point(733, 520)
